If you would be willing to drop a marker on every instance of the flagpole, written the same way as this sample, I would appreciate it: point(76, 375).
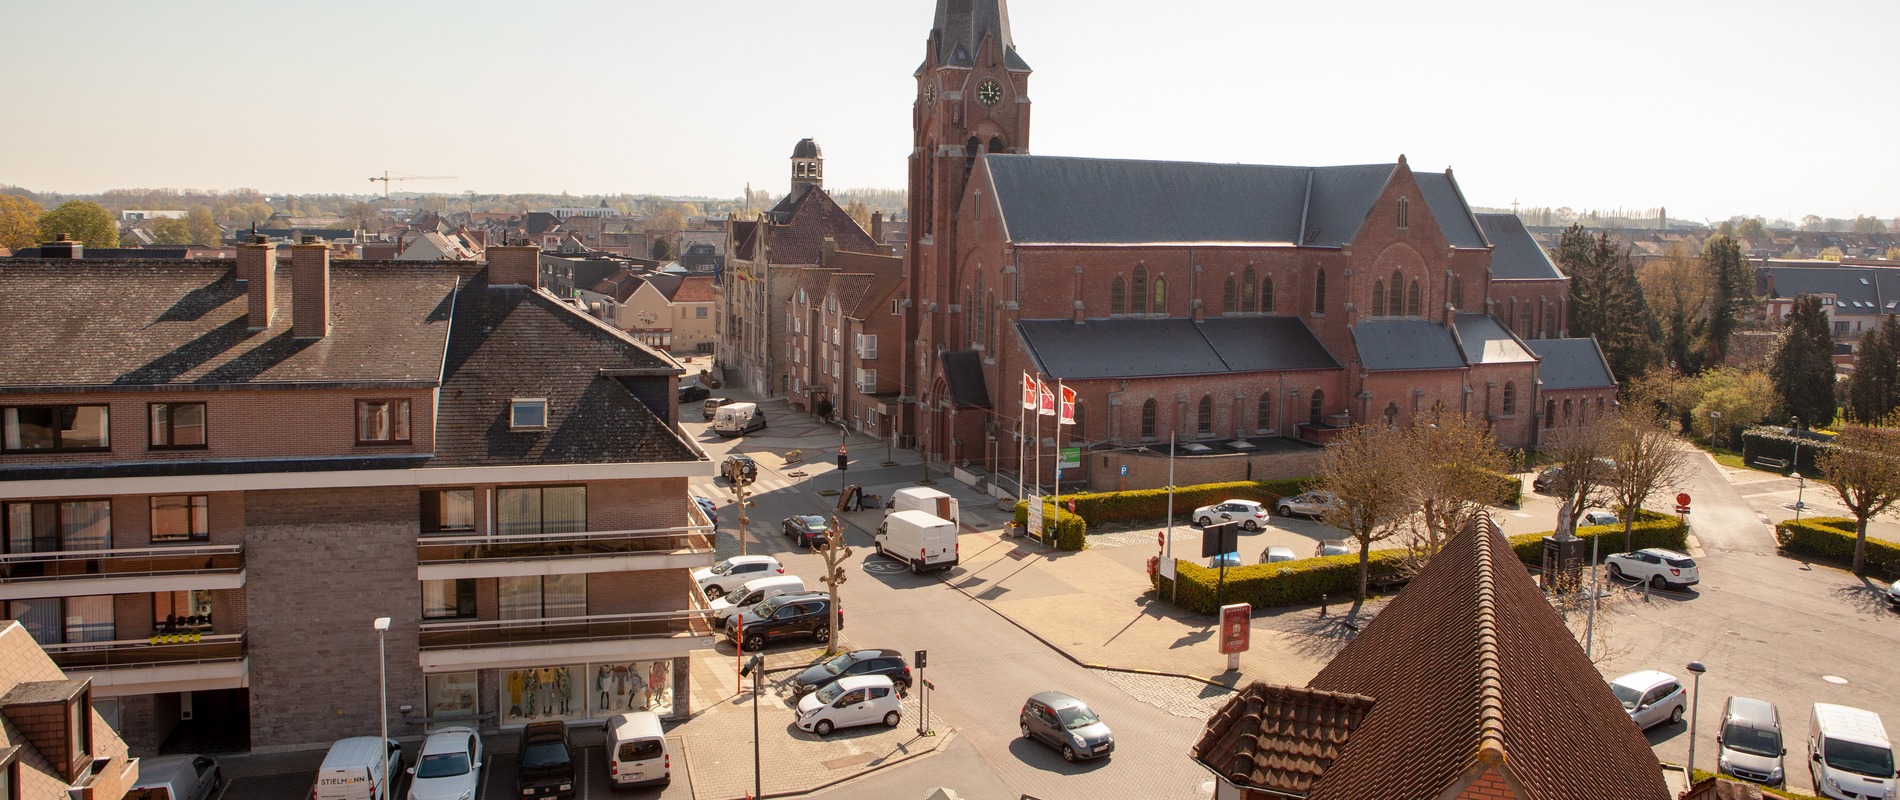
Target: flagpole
point(1174, 587)
point(1058, 438)
point(1038, 418)
point(1022, 442)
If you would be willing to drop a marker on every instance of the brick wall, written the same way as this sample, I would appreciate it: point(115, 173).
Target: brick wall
point(1489, 785)
point(637, 592)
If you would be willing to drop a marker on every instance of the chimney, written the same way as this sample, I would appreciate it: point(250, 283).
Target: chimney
point(827, 250)
point(310, 289)
point(514, 265)
point(1771, 282)
point(257, 267)
point(63, 247)
point(877, 227)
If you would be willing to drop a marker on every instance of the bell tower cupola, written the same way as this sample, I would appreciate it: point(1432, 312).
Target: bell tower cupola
point(808, 166)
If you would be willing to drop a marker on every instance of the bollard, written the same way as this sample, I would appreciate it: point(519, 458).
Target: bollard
point(1645, 591)
point(1322, 605)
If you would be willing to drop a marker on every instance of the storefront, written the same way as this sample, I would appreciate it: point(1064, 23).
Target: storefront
point(568, 692)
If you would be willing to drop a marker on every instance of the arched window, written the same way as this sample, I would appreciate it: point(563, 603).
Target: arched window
point(1413, 301)
point(1263, 413)
point(1398, 295)
point(1266, 294)
point(1319, 292)
point(1405, 211)
point(1583, 413)
point(1204, 421)
point(1148, 419)
point(1161, 295)
point(1081, 420)
point(1227, 304)
point(1378, 298)
point(996, 145)
point(1117, 296)
point(1316, 412)
point(1510, 398)
point(1550, 413)
point(1247, 291)
point(1392, 413)
point(981, 312)
point(1457, 293)
point(1139, 304)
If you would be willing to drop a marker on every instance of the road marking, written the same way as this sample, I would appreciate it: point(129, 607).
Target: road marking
point(1834, 679)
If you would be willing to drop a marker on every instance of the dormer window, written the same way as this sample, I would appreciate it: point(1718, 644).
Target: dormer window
point(528, 414)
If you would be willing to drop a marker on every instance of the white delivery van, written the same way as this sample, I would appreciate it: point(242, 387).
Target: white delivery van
point(353, 769)
point(928, 500)
point(1849, 755)
point(924, 541)
point(637, 753)
point(182, 777)
point(738, 419)
point(754, 592)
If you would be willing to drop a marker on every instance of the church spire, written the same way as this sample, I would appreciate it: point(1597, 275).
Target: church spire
point(961, 26)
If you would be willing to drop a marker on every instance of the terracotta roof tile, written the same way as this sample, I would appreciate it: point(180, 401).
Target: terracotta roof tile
point(694, 289)
point(1279, 737)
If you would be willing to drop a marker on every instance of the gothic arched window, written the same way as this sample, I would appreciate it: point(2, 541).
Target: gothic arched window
point(1413, 301)
point(1227, 304)
point(1205, 415)
point(1148, 419)
point(1510, 398)
point(1247, 291)
point(1378, 298)
point(1161, 295)
point(1398, 295)
point(1263, 412)
point(1319, 292)
point(1081, 420)
point(1457, 293)
point(980, 325)
point(1392, 413)
point(1317, 409)
point(1139, 302)
point(1266, 294)
point(1117, 296)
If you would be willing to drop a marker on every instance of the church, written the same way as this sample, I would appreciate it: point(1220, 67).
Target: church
point(1231, 306)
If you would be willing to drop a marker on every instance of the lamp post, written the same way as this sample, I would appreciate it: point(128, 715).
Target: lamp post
point(382, 710)
point(1695, 707)
point(1801, 482)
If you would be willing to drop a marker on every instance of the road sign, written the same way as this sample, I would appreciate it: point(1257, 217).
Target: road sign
point(1236, 628)
point(928, 684)
point(1682, 499)
point(1682, 509)
point(1220, 538)
point(923, 656)
point(1124, 470)
point(1161, 539)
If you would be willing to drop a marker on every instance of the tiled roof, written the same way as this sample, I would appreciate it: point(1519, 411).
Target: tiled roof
point(744, 238)
point(812, 218)
point(1571, 364)
point(620, 285)
point(694, 289)
point(1402, 344)
point(27, 674)
point(1281, 738)
point(185, 323)
point(849, 288)
point(1515, 255)
point(888, 273)
point(1145, 348)
point(1484, 341)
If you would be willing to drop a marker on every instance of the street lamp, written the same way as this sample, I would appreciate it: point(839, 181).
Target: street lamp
point(1695, 707)
point(382, 711)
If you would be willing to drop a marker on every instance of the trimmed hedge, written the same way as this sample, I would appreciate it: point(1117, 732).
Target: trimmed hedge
point(1831, 539)
point(1768, 441)
point(1651, 530)
point(1146, 506)
point(1072, 532)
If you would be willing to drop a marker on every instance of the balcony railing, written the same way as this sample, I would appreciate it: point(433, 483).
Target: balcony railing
point(557, 630)
point(160, 650)
point(438, 549)
point(122, 563)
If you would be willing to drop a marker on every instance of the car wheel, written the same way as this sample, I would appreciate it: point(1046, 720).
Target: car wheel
point(714, 592)
point(823, 728)
point(1285, 511)
point(916, 567)
point(892, 719)
point(1204, 522)
point(821, 632)
point(1068, 753)
point(1026, 731)
point(903, 686)
point(1251, 525)
point(1675, 715)
point(1617, 573)
point(1657, 582)
point(755, 642)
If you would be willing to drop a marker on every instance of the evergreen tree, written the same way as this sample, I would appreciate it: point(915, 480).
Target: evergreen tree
point(1871, 392)
point(1606, 301)
point(1802, 365)
point(1733, 297)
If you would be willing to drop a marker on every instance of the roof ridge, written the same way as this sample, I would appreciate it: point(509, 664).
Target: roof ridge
point(1491, 751)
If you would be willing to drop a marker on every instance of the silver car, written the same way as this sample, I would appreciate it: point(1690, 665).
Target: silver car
point(1066, 724)
point(1651, 698)
point(1749, 744)
point(1307, 504)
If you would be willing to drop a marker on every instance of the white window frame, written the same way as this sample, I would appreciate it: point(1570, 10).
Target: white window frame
point(867, 346)
point(516, 405)
point(867, 381)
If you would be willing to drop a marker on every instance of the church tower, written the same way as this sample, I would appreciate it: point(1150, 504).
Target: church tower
point(808, 167)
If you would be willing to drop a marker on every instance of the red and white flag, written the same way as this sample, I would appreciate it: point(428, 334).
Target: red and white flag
point(1048, 408)
point(1068, 405)
point(1029, 392)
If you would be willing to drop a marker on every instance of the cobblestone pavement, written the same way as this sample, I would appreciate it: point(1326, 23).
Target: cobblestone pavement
point(1182, 697)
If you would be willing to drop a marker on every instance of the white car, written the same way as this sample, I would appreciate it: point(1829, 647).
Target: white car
point(1650, 697)
point(1307, 504)
point(449, 766)
point(1893, 594)
point(1246, 512)
point(1662, 569)
point(727, 576)
point(849, 701)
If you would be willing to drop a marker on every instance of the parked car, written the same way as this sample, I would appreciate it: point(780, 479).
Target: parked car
point(449, 766)
point(1066, 724)
point(888, 663)
point(547, 765)
point(1849, 754)
point(732, 573)
point(180, 777)
point(1224, 560)
point(693, 392)
point(1893, 594)
point(354, 769)
point(707, 505)
point(737, 469)
point(1246, 512)
point(1598, 518)
point(637, 752)
point(1748, 745)
point(1278, 554)
point(1332, 547)
point(754, 592)
point(856, 700)
point(1662, 569)
point(781, 617)
point(807, 530)
point(710, 406)
point(1650, 697)
point(1307, 504)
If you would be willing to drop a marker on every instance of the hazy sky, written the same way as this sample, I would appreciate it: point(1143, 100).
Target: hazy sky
point(1780, 109)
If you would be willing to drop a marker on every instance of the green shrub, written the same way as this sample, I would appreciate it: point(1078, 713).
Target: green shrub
point(1769, 441)
point(1651, 530)
point(1831, 539)
point(1151, 505)
point(1510, 490)
point(1072, 532)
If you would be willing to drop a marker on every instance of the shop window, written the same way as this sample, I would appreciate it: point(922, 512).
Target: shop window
point(451, 699)
point(181, 518)
point(53, 428)
point(177, 425)
point(448, 510)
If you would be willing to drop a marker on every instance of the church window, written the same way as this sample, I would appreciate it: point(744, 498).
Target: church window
point(1205, 416)
point(1583, 412)
point(1378, 298)
point(1161, 295)
point(1148, 419)
point(1524, 322)
point(1405, 209)
point(970, 149)
point(1263, 412)
point(1266, 294)
point(996, 145)
point(1510, 398)
point(1392, 414)
point(1117, 297)
point(1398, 295)
point(1550, 413)
point(1081, 420)
point(1413, 301)
point(980, 310)
point(1457, 293)
point(1140, 299)
point(1227, 304)
point(1566, 411)
point(995, 321)
point(1247, 291)
point(1319, 292)
point(1318, 407)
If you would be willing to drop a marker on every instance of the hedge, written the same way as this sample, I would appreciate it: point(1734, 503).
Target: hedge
point(1146, 506)
point(1072, 532)
point(1832, 539)
point(1768, 441)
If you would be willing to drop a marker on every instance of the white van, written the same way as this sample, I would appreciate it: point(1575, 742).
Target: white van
point(1849, 755)
point(738, 419)
point(754, 592)
point(184, 777)
point(928, 500)
point(353, 769)
point(637, 753)
point(924, 541)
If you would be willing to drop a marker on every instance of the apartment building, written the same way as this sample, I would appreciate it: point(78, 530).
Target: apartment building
point(215, 475)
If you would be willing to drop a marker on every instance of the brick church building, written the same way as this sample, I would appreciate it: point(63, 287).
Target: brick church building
point(1217, 302)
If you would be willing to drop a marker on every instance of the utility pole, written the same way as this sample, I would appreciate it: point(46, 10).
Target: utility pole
point(836, 551)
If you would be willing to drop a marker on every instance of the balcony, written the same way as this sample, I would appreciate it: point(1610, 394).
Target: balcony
point(446, 556)
point(121, 571)
point(479, 643)
point(162, 663)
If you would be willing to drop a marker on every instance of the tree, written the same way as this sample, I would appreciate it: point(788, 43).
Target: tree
point(1606, 301)
point(1678, 289)
point(1361, 469)
point(1454, 469)
point(204, 227)
point(662, 250)
point(1752, 230)
point(1863, 469)
point(1893, 253)
point(1874, 388)
point(1811, 223)
point(171, 231)
point(1648, 460)
point(1802, 366)
point(1586, 454)
point(1865, 224)
point(362, 216)
point(19, 222)
point(860, 213)
point(1742, 397)
point(1732, 293)
point(86, 222)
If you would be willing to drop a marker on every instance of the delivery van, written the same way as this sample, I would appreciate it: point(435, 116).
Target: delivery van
point(930, 501)
point(637, 752)
point(754, 592)
point(1849, 755)
point(181, 777)
point(738, 419)
point(353, 769)
point(922, 540)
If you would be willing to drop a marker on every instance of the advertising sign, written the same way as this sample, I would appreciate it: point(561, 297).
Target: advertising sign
point(1071, 457)
point(1035, 516)
point(1236, 625)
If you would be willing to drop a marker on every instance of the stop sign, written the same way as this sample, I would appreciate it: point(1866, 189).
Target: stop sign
point(1682, 499)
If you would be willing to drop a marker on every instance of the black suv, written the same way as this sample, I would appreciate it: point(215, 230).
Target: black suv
point(888, 663)
point(547, 766)
point(803, 613)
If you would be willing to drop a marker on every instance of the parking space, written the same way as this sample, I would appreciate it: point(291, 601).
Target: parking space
point(499, 770)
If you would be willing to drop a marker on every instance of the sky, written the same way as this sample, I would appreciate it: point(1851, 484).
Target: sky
point(1710, 109)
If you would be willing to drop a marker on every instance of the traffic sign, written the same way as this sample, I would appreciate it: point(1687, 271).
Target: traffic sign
point(841, 450)
point(1124, 470)
point(1682, 498)
point(1161, 539)
point(1682, 509)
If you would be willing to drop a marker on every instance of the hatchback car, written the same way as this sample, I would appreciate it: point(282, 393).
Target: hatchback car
point(1066, 724)
point(1276, 555)
point(1662, 569)
point(737, 469)
point(449, 767)
point(1246, 512)
point(807, 530)
point(888, 663)
point(1224, 560)
point(732, 573)
point(707, 505)
point(1332, 547)
point(1650, 697)
point(693, 392)
point(847, 702)
point(1307, 504)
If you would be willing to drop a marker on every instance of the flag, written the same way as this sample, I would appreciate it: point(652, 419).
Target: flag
point(1068, 405)
point(1029, 392)
point(1048, 408)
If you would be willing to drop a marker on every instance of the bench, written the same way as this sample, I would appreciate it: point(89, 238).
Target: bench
point(1771, 463)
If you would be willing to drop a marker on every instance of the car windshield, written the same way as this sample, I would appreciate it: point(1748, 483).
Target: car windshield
point(841, 663)
point(812, 523)
point(1875, 762)
point(766, 608)
point(544, 754)
point(442, 765)
point(1753, 741)
point(829, 693)
point(1076, 717)
point(1626, 695)
point(743, 598)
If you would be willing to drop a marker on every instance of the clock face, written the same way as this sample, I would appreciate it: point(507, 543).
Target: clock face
point(930, 93)
point(989, 93)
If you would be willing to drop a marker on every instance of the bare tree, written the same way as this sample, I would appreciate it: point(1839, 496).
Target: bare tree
point(1863, 468)
point(1648, 460)
point(1363, 469)
point(1454, 468)
point(1584, 455)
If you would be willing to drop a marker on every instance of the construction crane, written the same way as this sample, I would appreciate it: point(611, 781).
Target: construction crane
point(388, 177)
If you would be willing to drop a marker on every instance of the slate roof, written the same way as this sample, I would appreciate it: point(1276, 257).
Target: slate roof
point(963, 371)
point(1851, 285)
point(1280, 737)
point(1145, 348)
point(1571, 364)
point(1516, 255)
point(1402, 344)
point(1483, 341)
point(114, 252)
point(1060, 200)
point(185, 323)
point(963, 24)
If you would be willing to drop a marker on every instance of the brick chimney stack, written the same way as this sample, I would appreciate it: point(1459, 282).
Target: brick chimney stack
point(514, 265)
point(877, 227)
point(63, 247)
point(257, 267)
point(310, 289)
point(827, 250)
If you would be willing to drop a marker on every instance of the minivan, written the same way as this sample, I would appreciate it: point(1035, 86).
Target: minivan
point(637, 753)
point(183, 777)
point(353, 769)
point(754, 592)
point(1748, 745)
point(1849, 755)
point(711, 405)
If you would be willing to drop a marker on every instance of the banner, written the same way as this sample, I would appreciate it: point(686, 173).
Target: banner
point(1029, 392)
point(1068, 405)
point(1048, 399)
point(1069, 458)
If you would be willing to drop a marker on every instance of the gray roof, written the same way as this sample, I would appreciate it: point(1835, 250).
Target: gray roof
point(1851, 285)
point(963, 370)
point(964, 23)
point(1571, 364)
point(1517, 256)
point(1401, 344)
point(1484, 341)
point(1059, 200)
point(1144, 348)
